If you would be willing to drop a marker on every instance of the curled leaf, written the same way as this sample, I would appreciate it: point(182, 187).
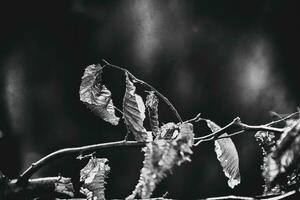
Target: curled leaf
point(281, 157)
point(152, 106)
point(285, 158)
point(64, 186)
point(134, 112)
point(93, 177)
point(227, 156)
point(160, 157)
point(96, 96)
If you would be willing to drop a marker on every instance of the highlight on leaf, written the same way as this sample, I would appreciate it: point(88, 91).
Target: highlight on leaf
point(64, 186)
point(93, 177)
point(96, 96)
point(280, 167)
point(134, 112)
point(287, 154)
point(160, 158)
point(152, 106)
point(227, 156)
point(168, 131)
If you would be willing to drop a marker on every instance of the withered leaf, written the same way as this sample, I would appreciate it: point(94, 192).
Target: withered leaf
point(227, 156)
point(134, 112)
point(160, 157)
point(96, 96)
point(168, 131)
point(152, 106)
point(93, 177)
point(285, 158)
point(64, 186)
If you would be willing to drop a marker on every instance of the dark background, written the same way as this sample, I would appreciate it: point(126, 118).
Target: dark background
point(223, 58)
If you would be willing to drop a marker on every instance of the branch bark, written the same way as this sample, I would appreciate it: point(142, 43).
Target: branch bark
point(40, 163)
point(50, 186)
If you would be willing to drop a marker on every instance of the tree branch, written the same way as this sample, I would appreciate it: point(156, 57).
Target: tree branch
point(237, 123)
point(283, 119)
point(215, 135)
point(149, 86)
point(40, 163)
point(272, 197)
point(56, 186)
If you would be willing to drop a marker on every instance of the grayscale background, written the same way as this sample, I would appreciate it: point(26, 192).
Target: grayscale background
point(223, 58)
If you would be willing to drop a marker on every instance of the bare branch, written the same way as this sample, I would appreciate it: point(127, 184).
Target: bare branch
point(259, 128)
point(283, 119)
point(56, 186)
point(195, 119)
point(237, 123)
point(272, 197)
point(220, 131)
point(40, 163)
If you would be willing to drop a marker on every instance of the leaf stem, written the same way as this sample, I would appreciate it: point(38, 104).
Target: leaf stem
point(149, 86)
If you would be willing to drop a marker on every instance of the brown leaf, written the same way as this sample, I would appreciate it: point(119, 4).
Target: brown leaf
point(134, 112)
point(227, 155)
point(93, 175)
point(97, 96)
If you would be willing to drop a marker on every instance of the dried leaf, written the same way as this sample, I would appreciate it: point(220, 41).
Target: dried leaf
point(266, 141)
point(168, 131)
point(97, 96)
point(280, 162)
point(287, 153)
point(160, 157)
point(227, 155)
point(134, 112)
point(152, 106)
point(64, 186)
point(93, 175)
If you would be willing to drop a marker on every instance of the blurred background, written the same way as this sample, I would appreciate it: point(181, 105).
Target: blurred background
point(221, 58)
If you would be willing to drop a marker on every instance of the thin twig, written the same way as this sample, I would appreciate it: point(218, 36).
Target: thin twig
point(230, 135)
point(195, 119)
point(220, 131)
point(237, 123)
point(149, 86)
point(260, 128)
point(282, 196)
point(37, 165)
point(119, 110)
point(203, 140)
point(230, 197)
point(283, 119)
point(277, 197)
point(57, 186)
